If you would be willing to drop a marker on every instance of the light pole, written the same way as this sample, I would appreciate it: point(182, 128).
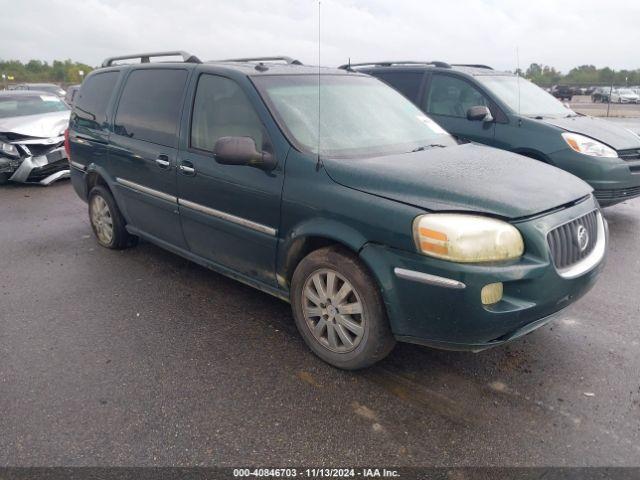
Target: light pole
point(81, 73)
point(4, 81)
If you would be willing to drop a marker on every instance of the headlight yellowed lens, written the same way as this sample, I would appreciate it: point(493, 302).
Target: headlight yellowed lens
point(466, 238)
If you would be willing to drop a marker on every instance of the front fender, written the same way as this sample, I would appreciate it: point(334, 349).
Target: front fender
point(294, 242)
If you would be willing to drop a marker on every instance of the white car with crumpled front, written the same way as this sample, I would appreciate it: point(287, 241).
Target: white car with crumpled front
point(32, 126)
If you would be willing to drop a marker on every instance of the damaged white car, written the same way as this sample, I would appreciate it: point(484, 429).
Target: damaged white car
point(32, 126)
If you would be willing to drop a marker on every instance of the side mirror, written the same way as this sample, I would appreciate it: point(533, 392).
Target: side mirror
point(479, 113)
point(242, 151)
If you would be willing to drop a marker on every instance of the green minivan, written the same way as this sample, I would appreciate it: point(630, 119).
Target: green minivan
point(374, 223)
point(500, 109)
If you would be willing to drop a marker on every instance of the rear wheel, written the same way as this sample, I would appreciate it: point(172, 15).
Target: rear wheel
point(339, 311)
point(106, 220)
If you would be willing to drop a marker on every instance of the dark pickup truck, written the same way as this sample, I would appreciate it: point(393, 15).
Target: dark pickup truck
point(562, 92)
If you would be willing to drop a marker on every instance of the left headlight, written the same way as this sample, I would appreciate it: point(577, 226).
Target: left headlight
point(9, 149)
point(588, 146)
point(466, 238)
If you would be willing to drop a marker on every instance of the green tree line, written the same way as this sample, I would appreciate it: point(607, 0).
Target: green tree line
point(584, 75)
point(67, 72)
point(60, 71)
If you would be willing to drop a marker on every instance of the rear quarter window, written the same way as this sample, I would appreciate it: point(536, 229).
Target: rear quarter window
point(150, 105)
point(93, 98)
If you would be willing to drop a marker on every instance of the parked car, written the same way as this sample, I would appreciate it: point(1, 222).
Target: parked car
point(562, 92)
point(32, 126)
point(41, 87)
point(71, 93)
point(520, 117)
point(601, 95)
point(624, 95)
point(375, 223)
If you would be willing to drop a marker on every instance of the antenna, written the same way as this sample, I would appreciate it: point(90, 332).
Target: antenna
point(319, 161)
point(613, 77)
point(518, 74)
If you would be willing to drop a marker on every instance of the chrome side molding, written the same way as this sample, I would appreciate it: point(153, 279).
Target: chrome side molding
point(228, 217)
point(428, 279)
point(199, 208)
point(77, 166)
point(147, 190)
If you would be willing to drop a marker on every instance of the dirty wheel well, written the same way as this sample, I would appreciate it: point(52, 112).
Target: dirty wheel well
point(303, 247)
point(94, 179)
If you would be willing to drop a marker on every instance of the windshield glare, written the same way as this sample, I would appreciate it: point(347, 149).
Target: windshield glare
point(524, 97)
point(358, 115)
point(18, 106)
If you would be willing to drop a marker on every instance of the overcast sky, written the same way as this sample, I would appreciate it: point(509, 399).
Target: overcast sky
point(562, 34)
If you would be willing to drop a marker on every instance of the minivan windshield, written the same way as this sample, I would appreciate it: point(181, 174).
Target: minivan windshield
point(524, 97)
point(359, 116)
point(21, 105)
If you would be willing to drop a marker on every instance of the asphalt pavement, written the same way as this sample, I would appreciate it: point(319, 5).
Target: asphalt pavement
point(139, 357)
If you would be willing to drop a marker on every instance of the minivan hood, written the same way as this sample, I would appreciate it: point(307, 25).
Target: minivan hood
point(41, 126)
point(467, 177)
point(618, 138)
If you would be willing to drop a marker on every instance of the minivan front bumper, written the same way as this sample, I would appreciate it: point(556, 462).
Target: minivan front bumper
point(448, 313)
point(614, 180)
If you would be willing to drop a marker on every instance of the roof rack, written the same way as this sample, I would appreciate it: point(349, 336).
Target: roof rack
point(145, 57)
point(472, 65)
point(349, 66)
point(282, 58)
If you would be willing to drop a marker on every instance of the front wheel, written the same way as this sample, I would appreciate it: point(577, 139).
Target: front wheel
point(339, 311)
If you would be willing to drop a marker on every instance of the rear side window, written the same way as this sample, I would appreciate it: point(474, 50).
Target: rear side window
point(150, 105)
point(407, 83)
point(222, 109)
point(93, 98)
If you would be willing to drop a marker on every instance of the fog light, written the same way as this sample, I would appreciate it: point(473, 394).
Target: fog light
point(491, 293)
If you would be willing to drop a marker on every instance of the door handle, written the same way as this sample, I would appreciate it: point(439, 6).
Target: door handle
point(186, 168)
point(163, 162)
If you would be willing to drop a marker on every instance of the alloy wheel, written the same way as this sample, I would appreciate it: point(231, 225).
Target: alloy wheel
point(101, 220)
point(333, 311)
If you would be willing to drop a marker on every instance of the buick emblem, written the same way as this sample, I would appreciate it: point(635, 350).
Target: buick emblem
point(582, 236)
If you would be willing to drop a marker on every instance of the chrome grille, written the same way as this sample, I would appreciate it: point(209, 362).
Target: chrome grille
point(564, 241)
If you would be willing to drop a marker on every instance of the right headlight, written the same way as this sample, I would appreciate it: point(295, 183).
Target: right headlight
point(9, 149)
point(466, 238)
point(588, 146)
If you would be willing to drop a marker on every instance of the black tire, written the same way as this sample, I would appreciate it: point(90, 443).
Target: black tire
point(376, 341)
point(4, 178)
point(119, 238)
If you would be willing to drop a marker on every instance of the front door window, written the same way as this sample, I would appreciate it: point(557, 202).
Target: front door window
point(452, 97)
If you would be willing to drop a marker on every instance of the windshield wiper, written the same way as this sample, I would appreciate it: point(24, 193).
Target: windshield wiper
point(427, 147)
